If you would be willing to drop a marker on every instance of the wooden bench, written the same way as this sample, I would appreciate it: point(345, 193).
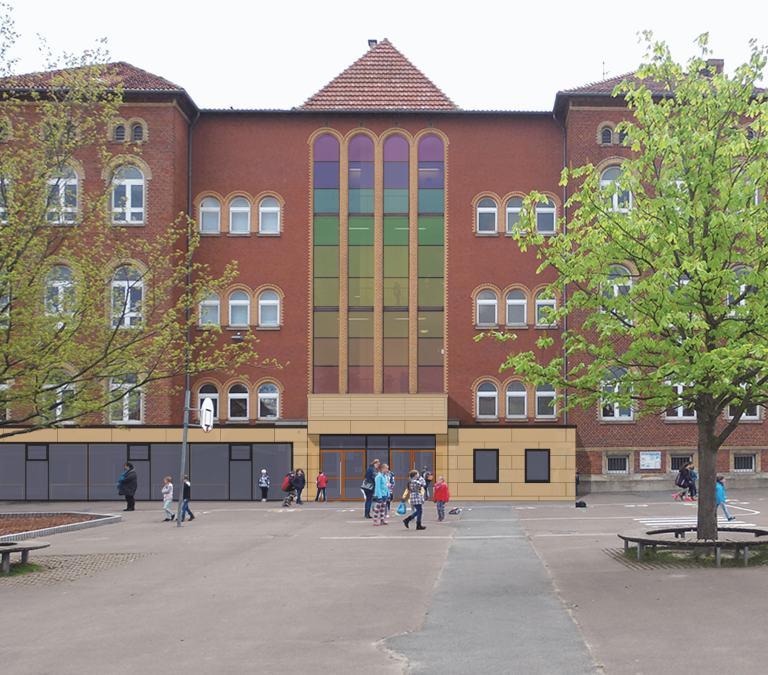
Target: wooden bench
point(656, 538)
point(23, 547)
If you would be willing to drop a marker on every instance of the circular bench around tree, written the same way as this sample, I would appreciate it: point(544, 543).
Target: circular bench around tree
point(23, 547)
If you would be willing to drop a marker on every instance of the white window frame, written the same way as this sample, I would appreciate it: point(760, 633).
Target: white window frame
point(240, 302)
point(266, 303)
point(548, 208)
point(5, 191)
point(485, 302)
point(124, 209)
point(239, 206)
point(613, 412)
point(131, 406)
point(59, 290)
point(545, 392)
point(740, 271)
point(210, 216)
point(267, 208)
point(515, 211)
point(487, 391)
point(269, 392)
point(127, 297)
point(517, 394)
point(621, 202)
point(517, 302)
point(679, 412)
point(210, 310)
point(750, 414)
point(62, 392)
point(540, 303)
point(62, 197)
point(213, 395)
point(484, 207)
point(233, 396)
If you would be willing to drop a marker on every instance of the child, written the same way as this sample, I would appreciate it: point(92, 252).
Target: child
point(321, 481)
point(167, 499)
point(186, 490)
point(416, 492)
point(441, 495)
point(720, 497)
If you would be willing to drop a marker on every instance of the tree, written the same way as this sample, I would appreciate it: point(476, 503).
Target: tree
point(92, 313)
point(666, 262)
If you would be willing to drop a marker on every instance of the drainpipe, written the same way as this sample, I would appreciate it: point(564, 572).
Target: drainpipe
point(565, 286)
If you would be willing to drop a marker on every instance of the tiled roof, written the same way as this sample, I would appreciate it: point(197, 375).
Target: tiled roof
point(383, 79)
point(132, 78)
point(606, 87)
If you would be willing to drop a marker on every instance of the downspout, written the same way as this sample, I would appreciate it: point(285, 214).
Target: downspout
point(565, 286)
point(187, 381)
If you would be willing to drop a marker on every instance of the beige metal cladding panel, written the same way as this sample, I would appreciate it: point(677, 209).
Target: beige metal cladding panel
point(296, 436)
point(483, 490)
point(476, 435)
point(436, 427)
point(330, 427)
point(377, 426)
point(418, 407)
point(460, 476)
point(542, 437)
point(540, 490)
point(134, 435)
point(247, 434)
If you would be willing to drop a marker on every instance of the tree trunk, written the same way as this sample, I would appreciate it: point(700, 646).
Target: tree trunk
point(707, 471)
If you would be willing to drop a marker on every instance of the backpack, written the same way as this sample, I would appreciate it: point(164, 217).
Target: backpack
point(680, 481)
point(287, 483)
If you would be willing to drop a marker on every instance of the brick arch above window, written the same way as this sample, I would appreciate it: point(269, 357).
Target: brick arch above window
point(131, 126)
point(261, 227)
point(119, 161)
point(488, 379)
point(486, 218)
point(606, 133)
point(479, 303)
point(513, 414)
point(528, 297)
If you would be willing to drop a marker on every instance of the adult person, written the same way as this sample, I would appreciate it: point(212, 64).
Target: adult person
point(684, 480)
point(299, 482)
point(289, 488)
point(415, 484)
point(322, 482)
point(185, 495)
point(369, 485)
point(126, 486)
point(264, 484)
point(427, 480)
point(381, 493)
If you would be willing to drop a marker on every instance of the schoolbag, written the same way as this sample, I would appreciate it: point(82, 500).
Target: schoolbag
point(287, 483)
point(679, 481)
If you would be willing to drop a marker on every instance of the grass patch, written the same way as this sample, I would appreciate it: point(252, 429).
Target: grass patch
point(17, 569)
point(697, 557)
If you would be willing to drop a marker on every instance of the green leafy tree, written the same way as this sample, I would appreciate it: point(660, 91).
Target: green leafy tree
point(666, 262)
point(92, 313)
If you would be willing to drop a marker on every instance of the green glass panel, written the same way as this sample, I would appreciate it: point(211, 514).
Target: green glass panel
point(395, 324)
point(361, 292)
point(361, 201)
point(431, 201)
point(430, 325)
point(360, 261)
point(326, 261)
point(361, 325)
point(431, 231)
point(395, 351)
point(396, 292)
point(326, 293)
point(431, 293)
point(396, 200)
point(431, 261)
point(326, 231)
point(360, 352)
point(396, 231)
point(326, 201)
point(430, 351)
point(326, 352)
point(395, 261)
point(361, 231)
point(326, 324)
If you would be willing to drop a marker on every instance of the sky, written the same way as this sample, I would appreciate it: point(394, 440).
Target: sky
point(485, 54)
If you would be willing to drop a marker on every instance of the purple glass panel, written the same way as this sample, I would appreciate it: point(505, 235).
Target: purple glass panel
point(431, 175)
point(360, 175)
point(431, 149)
point(327, 175)
point(395, 379)
point(326, 149)
point(430, 379)
point(361, 149)
point(396, 149)
point(360, 379)
point(395, 174)
point(326, 380)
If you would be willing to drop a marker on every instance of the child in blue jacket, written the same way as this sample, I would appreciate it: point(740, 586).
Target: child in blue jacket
point(720, 495)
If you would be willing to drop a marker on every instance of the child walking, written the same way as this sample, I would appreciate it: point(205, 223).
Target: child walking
point(167, 499)
point(720, 497)
point(441, 496)
point(381, 494)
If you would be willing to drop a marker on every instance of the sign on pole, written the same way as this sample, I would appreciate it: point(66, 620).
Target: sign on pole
point(206, 415)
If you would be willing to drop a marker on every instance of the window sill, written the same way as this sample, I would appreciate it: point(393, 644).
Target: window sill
point(268, 327)
point(608, 420)
point(546, 234)
point(238, 327)
point(267, 420)
point(125, 423)
point(238, 234)
point(746, 421)
point(522, 233)
point(552, 418)
point(513, 326)
point(486, 326)
point(486, 419)
point(236, 421)
point(684, 420)
point(516, 419)
point(545, 326)
point(133, 224)
point(486, 234)
point(209, 234)
point(207, 326)
point(268, 234)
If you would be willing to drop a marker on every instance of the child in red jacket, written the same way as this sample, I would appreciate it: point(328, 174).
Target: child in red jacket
point(441, 495)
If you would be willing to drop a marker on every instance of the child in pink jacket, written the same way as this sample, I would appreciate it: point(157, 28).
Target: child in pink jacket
point(441, 495)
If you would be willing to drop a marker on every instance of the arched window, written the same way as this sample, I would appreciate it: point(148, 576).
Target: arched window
point(623, 137)
point(611, 410)
point(62, 197)
point(127, 297)
point(619, 201)
point(487, 308)
point(137, 133)
point(546, 213)
point(486, 215)
point(269, 309)
point(238, 402)
point(269, 402)
point(240, 216)
point(269, 216)
point(545, 305)
point(210, 215)
point(59, 290)
point(128, 195)
point(209, 391)
point(517, 400)
point(119, 134)
point(619, 282)
point(487, 400)
point(545, 401)
point(210, 310)
point(517, 308)
point(606, 136)
point(514, 210)
point(127, 400)
point(239, 309)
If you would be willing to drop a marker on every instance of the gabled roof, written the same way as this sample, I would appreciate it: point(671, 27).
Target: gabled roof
point(383, 79)
point(132, 78)
point(606, 87)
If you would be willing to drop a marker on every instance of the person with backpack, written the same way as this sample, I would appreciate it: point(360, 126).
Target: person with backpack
point(321, 482)
point(289, 488)
point(369, 485)
point(427, 480)
point(684, 480)
point(126, 487)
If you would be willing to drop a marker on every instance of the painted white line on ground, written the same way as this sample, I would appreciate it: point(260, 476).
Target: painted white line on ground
point(579, 518)
point(576, 534)
point(429, 536)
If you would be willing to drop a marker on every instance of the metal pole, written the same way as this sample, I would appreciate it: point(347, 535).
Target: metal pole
point(183, 458)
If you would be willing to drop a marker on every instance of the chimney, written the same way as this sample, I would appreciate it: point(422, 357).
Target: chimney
point(716, 64)
point(372, 43)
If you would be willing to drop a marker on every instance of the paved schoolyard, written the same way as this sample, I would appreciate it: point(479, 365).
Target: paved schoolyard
point(505, 588)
